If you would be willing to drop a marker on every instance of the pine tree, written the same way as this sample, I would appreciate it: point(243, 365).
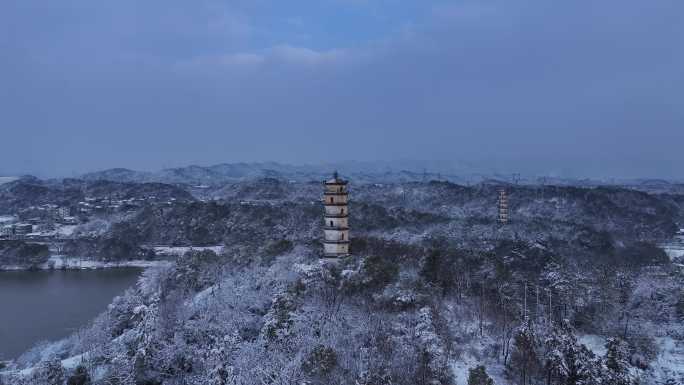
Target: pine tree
point(525, 359)
point(478, 376)
point(80, 377)
point(567, 361)
point(616, 362)
point(555, 366)
point(50, 372)
point(583, 368)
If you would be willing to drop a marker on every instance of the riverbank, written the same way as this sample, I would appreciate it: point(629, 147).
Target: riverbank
point(61, 262)
point(164, 256)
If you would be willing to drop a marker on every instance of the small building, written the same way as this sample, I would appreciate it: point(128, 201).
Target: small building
point(63, 212)
point(336, 228)
point(22, 229)
point(7, 231)
point(34, 221)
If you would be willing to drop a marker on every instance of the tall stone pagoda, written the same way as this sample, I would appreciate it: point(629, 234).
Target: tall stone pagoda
point(336, 228)
point(503, 206)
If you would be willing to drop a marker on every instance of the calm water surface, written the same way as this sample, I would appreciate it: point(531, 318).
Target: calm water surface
point(48, 305)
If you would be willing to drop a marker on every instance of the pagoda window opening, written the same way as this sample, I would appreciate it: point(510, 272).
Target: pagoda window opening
point(331, 200)
point(341, 211)
point(331, 223)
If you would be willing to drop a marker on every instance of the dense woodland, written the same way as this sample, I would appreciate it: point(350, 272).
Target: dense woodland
point(574, 290)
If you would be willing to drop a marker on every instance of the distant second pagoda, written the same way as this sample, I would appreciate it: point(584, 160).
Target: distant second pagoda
point(336, 228)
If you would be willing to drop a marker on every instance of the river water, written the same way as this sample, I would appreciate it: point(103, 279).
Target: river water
point(49, 305)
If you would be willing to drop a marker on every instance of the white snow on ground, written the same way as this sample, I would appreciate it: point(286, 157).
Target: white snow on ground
point(202, 296)
point(69, 364)
point(462, 366)
point(72, 362)
point(474, 354)
point(670, 361)
point(675, 247)
point(180, 250)
point(66, 230)
point(460, 369)
point(58, 262)
point(7, 218)
point(674, 252)
point(668, 365)
point(593, 342)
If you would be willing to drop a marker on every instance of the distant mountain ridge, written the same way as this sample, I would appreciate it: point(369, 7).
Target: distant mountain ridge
point(371, 172)
point(118, 175)
point(196, 175)
point(361, 172)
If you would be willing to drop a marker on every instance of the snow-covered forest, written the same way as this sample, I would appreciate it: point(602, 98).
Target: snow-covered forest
point(575, 290)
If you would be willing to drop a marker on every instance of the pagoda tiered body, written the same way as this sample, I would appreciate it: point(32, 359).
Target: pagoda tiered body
point(503, 206)
point(336, 228)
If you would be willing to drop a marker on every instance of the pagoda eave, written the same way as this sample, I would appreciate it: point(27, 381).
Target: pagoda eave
point(336, 216)
point(336, 242)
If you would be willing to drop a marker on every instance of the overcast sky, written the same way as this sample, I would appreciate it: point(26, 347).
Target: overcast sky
point(573, 88)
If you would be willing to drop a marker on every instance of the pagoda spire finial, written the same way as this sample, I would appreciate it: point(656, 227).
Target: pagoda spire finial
point(335, 174)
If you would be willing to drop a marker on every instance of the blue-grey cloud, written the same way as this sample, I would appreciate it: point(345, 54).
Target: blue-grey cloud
point(576, 88)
